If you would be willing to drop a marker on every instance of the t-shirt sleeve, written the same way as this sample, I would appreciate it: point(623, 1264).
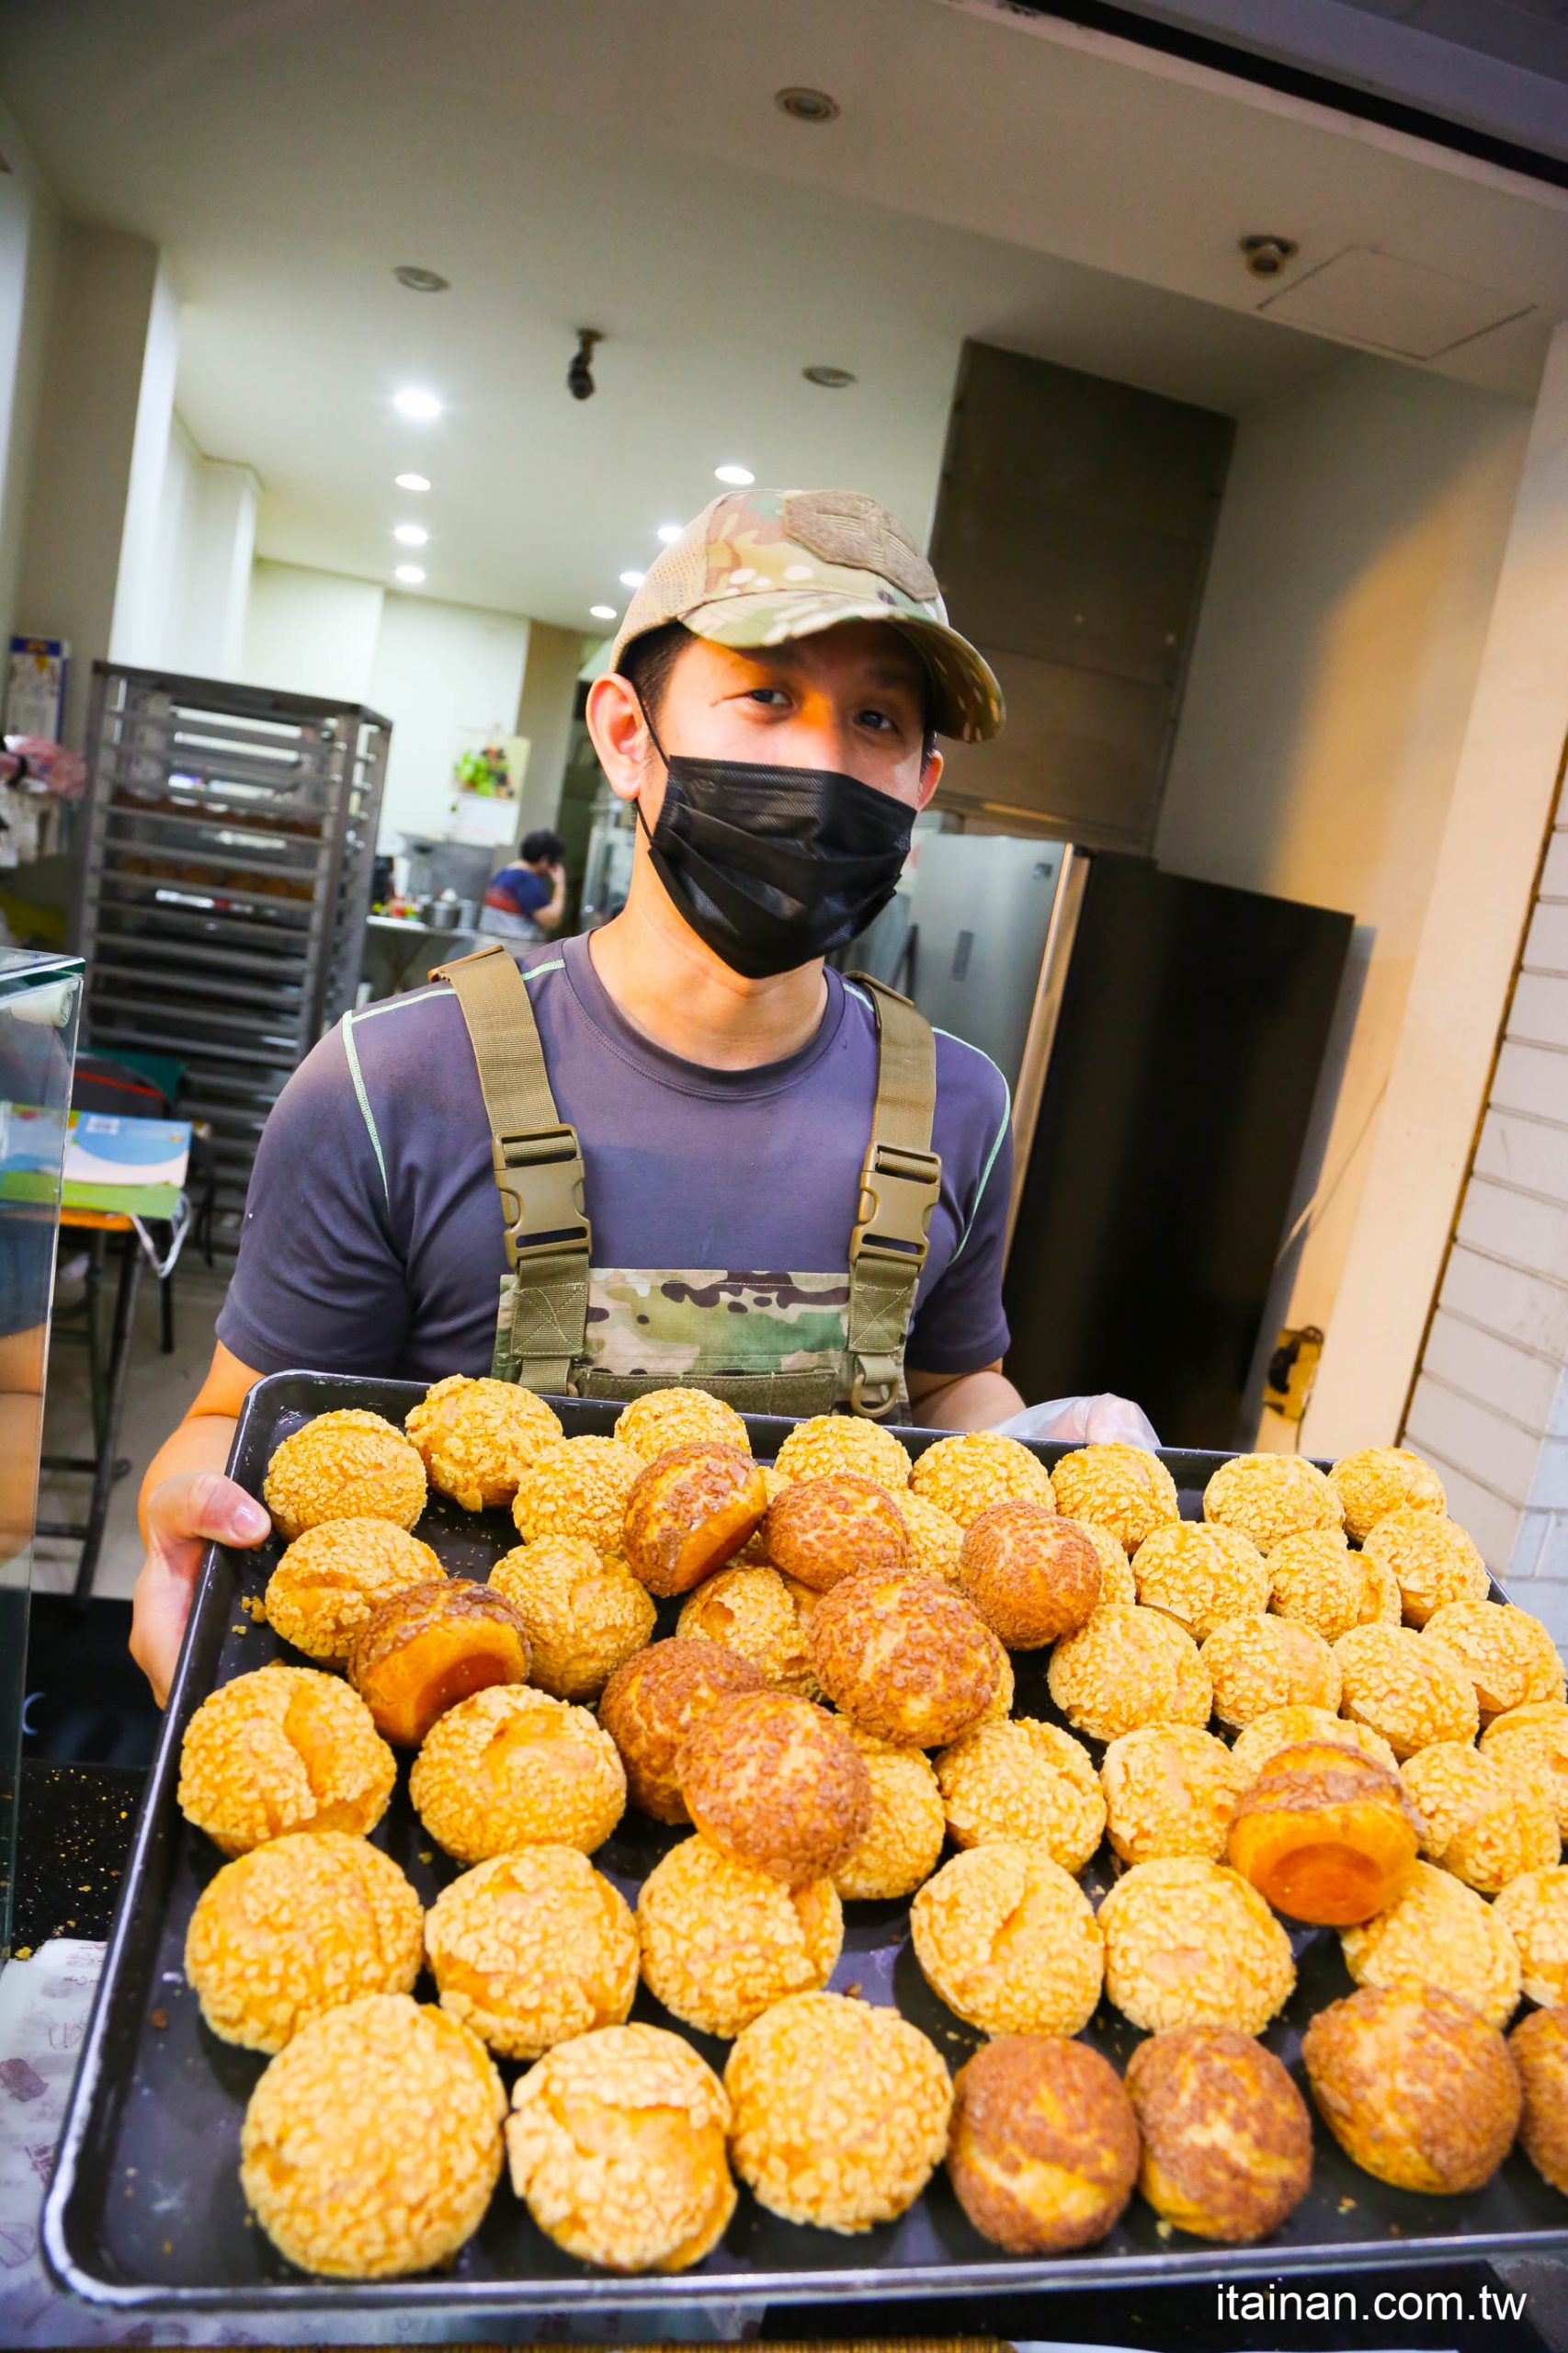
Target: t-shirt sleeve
point(959, 1325)
point(520, 888)
point(319, 1285)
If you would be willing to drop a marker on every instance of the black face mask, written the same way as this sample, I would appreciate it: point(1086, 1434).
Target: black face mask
point(772, 867)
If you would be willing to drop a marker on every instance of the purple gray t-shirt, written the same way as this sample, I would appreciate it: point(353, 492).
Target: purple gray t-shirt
point(372, 1238)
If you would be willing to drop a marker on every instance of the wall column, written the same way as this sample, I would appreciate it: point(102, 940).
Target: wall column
point(29, 255)
point(544, 716)
point(1486, 865)
point(86, 448)
point(137, 633)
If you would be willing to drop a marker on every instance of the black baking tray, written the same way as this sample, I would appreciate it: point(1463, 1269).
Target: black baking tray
point(144, 2209)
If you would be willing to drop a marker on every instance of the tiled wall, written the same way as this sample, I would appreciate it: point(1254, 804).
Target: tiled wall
point(1490, 1405)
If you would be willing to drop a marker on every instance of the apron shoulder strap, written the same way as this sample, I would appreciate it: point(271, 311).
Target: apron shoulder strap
point(539, 1171)
point(900, 1179)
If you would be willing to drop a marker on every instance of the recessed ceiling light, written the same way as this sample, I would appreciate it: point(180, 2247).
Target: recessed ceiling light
point(807, 106)
point(832, 380)
point(410, 574)
point(414, 482)
point(420, 407)
point(633, 579)
point(742, 476)
point(410, 535)
point(670, 532)
point(601, 612)
point(421, 282)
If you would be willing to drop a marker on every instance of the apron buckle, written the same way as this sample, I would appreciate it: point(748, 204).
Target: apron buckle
point(898, 1193)
point(874, 1391)
point(545, 1217)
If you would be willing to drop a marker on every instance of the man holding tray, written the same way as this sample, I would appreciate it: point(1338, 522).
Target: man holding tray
point(684, 1149)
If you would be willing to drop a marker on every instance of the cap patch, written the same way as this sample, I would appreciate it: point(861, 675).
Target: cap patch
point(848, 526)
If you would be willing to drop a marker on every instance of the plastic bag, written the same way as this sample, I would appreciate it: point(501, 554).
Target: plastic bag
point(1084, 1421)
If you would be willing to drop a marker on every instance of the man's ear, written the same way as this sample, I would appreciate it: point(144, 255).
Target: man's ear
point(619, 733)
point(931, 777)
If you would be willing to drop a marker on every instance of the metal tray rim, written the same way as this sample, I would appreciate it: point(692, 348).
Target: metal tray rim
point(608, 2291)
point(613, 2292)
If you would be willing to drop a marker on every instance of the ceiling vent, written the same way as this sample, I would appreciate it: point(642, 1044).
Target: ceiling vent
point(1364, 296)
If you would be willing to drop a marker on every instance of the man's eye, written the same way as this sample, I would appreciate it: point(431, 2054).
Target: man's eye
point(879, 720)
point(771, 696)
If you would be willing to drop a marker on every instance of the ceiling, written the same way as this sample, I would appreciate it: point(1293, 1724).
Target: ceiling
point(620, 163)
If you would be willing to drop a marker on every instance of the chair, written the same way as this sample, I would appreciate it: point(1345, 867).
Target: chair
point(107, 1084)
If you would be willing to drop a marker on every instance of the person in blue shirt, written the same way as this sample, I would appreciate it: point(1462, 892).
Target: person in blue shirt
point(524, 901)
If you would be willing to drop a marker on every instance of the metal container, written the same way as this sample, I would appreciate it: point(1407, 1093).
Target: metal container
point(446, 912)
point(144, 2209)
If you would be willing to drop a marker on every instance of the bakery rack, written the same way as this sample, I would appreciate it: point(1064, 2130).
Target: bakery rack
point(223, 883)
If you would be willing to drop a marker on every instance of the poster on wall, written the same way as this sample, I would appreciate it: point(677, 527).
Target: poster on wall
point(487, 781)
point(35, 687)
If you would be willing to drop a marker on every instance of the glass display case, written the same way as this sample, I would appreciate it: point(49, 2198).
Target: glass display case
point(40, 1003)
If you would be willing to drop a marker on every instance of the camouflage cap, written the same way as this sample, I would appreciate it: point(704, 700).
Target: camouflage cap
point(759, 567)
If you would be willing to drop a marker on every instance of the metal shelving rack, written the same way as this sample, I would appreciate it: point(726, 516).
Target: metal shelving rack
point(223, 884)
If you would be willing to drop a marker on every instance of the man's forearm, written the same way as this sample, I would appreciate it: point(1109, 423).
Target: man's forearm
point(970, 1401)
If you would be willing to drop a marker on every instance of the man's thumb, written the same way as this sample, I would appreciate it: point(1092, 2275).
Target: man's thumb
point(209, 1506)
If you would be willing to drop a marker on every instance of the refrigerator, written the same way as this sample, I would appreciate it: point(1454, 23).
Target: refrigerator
point(1163, 1040)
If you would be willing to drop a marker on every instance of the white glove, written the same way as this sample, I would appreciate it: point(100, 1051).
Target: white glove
point(1084, 1421)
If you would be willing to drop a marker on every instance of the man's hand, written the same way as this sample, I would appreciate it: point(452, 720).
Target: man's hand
point(1101, 1420)
point(1110, 1420)
point(182, 1515)
point(984, 1400)
point(186, 1505)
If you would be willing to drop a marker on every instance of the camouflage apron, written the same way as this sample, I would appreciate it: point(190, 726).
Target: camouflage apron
point(775, 1343)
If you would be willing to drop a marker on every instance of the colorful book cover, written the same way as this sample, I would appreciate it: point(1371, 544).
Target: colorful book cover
point(103, 1148)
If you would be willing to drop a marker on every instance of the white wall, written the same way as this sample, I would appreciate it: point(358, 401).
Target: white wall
point(153, 637)
point(218, 549)
point(448, 676)
point(311, 632)
point(29, 248)
point(1354, 572)
point(193, 584)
